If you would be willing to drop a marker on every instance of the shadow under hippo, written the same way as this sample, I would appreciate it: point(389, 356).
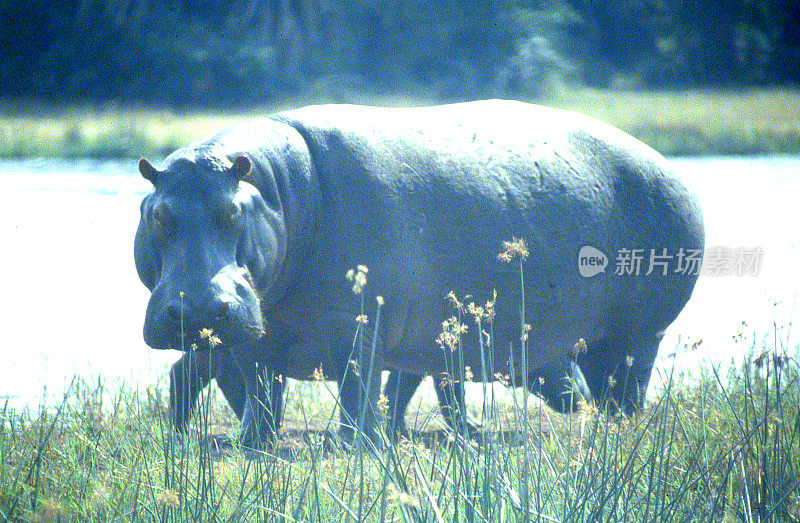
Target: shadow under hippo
point(248, 235)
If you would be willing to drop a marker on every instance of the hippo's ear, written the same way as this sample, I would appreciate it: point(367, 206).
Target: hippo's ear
point(148, 171)
point(241, 167)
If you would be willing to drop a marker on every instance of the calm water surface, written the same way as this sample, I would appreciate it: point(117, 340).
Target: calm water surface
point(71, 303)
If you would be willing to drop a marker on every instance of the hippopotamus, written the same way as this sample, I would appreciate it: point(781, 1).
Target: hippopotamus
point(248, 235)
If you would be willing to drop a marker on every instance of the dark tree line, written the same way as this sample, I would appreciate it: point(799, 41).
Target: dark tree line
point(214, 52)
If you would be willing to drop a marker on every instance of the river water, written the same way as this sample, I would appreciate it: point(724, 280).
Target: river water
point(71, 303)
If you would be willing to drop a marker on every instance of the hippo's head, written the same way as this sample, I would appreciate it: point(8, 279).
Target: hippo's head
point(207, 241)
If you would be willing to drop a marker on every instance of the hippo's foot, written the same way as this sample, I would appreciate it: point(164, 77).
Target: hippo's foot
point(218, 443)
point(226, 443)
point(467, 432)
point(180, 418)
point(397, 431)
point(350, 439)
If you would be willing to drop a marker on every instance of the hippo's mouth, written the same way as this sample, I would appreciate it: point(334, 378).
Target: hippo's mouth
point(191, 341)
point(205, 338)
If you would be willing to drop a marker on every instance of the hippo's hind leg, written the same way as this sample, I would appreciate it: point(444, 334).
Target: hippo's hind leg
point(453, 405)
point(617, 370)
point(399, 390)
point(562, 385)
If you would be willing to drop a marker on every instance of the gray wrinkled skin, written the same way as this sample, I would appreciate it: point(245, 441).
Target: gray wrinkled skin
point(424, 198)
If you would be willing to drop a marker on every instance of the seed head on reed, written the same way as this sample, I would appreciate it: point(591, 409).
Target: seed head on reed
point(358, 277)
point(395, 495)
point(500, 378)
point(452, 330)
point(475, 310)
point(50, 510)
point(468, 373)
point(629, 360)
point(383, 404)
point(612, 382)
point(489, 314)
point(759, 361)
point(513, 248)
point(168, 498)
point(319, 374)
point(362, 318)
point(526, 329)
point(454, 300)
point(214, 341)
point(206, 333)
point(580, 347)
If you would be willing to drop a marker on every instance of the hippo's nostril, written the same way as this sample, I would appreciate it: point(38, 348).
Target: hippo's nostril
point(175, 312)
point(222, 309)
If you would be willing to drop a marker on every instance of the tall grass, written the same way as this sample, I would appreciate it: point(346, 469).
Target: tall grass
point(724, 448)
point(703, 452)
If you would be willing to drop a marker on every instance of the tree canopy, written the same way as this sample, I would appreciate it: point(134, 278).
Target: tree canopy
point(183, 53)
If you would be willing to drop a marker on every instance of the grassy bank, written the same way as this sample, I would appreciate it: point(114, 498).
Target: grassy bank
point(699, 453)
point(675, 123)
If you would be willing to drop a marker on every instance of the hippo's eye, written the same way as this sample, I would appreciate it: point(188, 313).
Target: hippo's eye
point(160, 220)
point(228, 214)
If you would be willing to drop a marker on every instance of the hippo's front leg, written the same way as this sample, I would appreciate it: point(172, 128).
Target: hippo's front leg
point(193, 372)
point(187, 378)
point(257, 427)
point(359, 391)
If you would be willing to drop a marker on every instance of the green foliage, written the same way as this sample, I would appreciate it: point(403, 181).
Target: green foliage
point(165, 58)
point(680, 43)
point(193, 53)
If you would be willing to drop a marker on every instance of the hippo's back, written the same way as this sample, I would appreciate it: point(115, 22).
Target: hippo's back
point(429, 194)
